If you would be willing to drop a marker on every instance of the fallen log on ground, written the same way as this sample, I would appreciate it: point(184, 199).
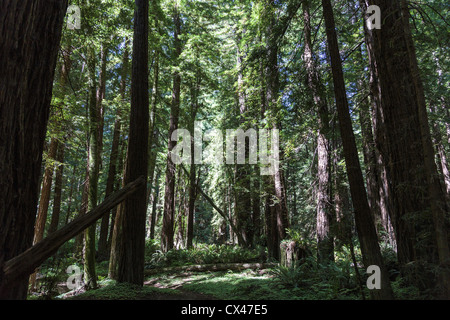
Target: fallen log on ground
point(211, 267)
point(24, 264)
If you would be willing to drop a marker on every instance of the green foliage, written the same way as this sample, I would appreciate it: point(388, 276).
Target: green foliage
point(333, 280)
point(404, 291)
point(202, 254)
point(247, 285)
point(124, 291)
point(52, 274)
point(212, 34)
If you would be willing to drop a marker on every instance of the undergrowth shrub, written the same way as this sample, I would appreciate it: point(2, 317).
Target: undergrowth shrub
point(325, 280)
point(202, 254)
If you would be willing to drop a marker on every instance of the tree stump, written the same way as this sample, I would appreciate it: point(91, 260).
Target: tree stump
point(288, 253)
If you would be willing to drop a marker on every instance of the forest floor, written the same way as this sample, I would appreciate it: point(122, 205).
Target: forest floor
point(204, 285)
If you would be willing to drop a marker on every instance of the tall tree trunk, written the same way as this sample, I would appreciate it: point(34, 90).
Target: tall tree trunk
point(182, 211)
point(341, 199)
point(113, 159)
point(192, 172)
point(66, 65)
point(78, 245)
point(153, 135)
point(32, 30)
point(45, 192)
point(447, 124)
point(100, 96)
point(116, 234)
point(375, 176)
point(131, 262)
point(191, 206)
point(386, 191)
point(439, 207)
point(441, 158)
point(70, 199)
point(256, 206)
point(44, 201)
point(154, 203)
point(363, 218)
point(408, 144)
point(90, 277)
point(324, 210)
point(169, 195)
point(278, 214)
point(58, 188)
point(242, 184)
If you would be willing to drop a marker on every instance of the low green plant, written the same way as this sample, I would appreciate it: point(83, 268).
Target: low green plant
point(296, 275)
point(202, 254)
point(124, 291)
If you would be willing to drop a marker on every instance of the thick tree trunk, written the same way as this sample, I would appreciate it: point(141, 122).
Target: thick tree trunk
point(415, 181)
point(167, 232)
point(131, 262)
point(401, 143)
point(363, 218)
point(439, 207)
point(386, 191)
point(30, 35)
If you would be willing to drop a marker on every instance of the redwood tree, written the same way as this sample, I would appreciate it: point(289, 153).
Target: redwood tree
point(363, 218)
point(131, 261)
point(30, 32)
point(419, 205)
point(169, 196)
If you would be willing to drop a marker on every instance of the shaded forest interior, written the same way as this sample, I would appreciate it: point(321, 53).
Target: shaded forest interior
point(101, 166)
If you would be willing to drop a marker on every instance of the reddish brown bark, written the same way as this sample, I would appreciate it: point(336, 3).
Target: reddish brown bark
point(30, 33)
point(132, 246)
point(363, 218)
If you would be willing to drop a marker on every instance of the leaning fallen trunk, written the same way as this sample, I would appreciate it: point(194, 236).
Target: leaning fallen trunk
point(24, 264)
